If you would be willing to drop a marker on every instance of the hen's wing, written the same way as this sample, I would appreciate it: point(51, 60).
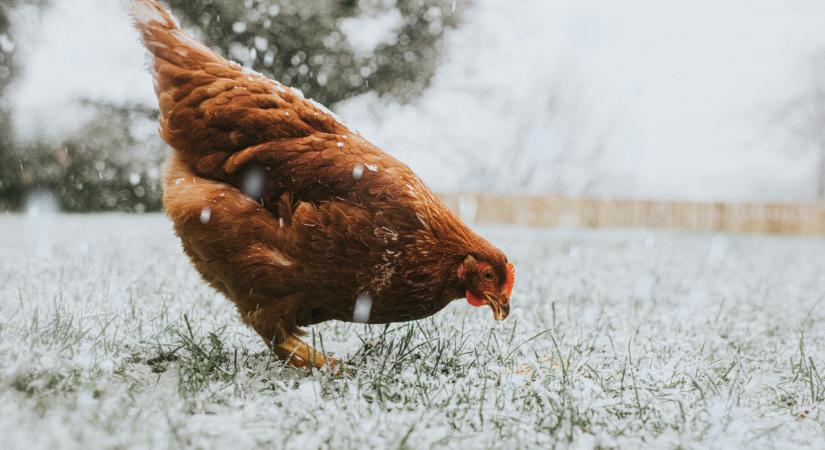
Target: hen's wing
point(320, 264)
point(227, 123)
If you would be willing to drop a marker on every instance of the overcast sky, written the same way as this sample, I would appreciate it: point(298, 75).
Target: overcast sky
point(685, 87)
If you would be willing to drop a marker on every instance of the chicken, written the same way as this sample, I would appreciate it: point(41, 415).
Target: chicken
point(293, 216)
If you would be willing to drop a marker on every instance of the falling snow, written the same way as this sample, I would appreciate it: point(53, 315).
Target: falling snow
point(206, 215)
point(261, 43)
point(363, 306)
point(239, 27)
point(254, 181)
point(358, 171)
point(41, 203)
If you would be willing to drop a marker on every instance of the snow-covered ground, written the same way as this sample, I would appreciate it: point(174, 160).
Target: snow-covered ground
point(108, 339)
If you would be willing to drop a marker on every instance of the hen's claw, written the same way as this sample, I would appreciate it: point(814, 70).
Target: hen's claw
point(299, 354)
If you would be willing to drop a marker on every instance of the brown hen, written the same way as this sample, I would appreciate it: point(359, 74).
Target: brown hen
point(293, 216)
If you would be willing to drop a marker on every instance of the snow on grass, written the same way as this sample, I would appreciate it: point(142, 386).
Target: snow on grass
point(108, 338)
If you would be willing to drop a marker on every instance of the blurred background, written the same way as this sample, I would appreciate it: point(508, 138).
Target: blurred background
point(688, 100)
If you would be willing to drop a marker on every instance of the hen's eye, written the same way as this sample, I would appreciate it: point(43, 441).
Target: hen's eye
point(487, 275)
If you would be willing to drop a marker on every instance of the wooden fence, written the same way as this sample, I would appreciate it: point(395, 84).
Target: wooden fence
point(558, 211)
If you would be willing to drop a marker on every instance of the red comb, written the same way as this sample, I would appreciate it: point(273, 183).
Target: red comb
point(511, 279)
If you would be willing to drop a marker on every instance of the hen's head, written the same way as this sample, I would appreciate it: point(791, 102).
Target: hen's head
point(488, 280)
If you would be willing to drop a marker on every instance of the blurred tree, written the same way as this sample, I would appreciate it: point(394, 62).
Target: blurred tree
point(10, 191)
point(804, 116)
point(816, 123)
point(110, 164)
point(302, 44)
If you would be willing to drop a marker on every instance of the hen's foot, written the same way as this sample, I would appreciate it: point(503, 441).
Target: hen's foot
point(299, 354)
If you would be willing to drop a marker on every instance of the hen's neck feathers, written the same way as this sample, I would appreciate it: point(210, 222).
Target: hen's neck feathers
point(450, 240)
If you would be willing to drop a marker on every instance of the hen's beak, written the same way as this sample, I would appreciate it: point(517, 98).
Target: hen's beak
point(500, 305)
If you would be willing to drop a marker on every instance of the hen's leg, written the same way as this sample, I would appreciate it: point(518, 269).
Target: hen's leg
point(300, 354)
point(281, 334)
point(233, 243)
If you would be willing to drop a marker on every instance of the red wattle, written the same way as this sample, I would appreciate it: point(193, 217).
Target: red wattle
point(473, 300)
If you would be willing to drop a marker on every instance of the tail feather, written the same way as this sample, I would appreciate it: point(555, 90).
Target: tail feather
point(164, 39)
point(145, 12)
point(211, 107)
point(180, 64)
